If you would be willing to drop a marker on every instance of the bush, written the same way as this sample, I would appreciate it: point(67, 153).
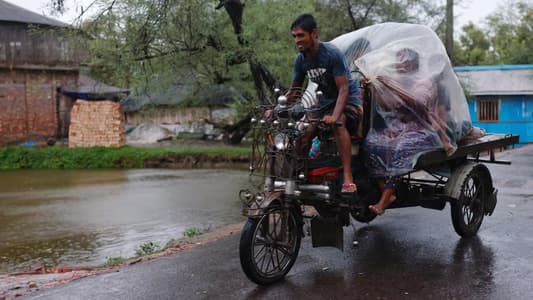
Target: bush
point(147, 249)
point(114, 260)
point(194, 232)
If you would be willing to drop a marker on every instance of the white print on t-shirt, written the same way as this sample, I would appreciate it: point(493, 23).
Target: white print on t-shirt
point(316, 75)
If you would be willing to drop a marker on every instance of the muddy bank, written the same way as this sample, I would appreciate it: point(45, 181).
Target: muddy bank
point(18, 284)
point(203, 161)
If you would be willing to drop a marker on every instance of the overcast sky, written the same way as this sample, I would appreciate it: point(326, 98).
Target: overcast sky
point(470, 10)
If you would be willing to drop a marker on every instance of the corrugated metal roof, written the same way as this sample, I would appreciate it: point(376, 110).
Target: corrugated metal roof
point(13, 13)
point(492, 67)
point(497, 80)
point(89, 85)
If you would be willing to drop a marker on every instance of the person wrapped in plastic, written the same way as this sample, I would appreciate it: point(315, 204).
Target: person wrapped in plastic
point(417, 102)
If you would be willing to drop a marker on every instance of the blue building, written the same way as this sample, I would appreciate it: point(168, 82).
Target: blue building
point(500, 98)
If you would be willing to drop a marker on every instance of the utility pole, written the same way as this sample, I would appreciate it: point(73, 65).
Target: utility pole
point(449, 30)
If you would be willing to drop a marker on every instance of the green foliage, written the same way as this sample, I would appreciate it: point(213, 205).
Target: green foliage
point(506, 38)
point(266, 28)
point(473, 47)
point(349, 15)
point(147, 249)
point(511, 33)
point(194, 231)
point(149, 46)
point(114, 261)
point(169, 50)
point(98, 157)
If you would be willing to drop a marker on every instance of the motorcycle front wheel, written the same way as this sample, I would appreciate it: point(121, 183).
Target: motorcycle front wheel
point(269, 245)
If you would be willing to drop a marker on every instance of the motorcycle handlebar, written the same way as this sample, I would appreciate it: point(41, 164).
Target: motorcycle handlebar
point(321, 122)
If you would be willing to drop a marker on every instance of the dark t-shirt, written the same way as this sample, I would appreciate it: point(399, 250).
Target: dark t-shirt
point(322, 70)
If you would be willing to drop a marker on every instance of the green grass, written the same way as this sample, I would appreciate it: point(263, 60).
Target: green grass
point(147, 249)
point(114, 260)
point(191, 232)
point(58, 157)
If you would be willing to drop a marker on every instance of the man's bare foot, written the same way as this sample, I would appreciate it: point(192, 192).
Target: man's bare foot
point(348, 188)
point(376, 209)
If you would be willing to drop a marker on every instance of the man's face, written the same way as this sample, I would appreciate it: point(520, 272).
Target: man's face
point(303, 39)
point(405, 63)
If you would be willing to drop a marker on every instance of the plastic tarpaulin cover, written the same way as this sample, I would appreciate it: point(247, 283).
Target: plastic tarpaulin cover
point(418, 104)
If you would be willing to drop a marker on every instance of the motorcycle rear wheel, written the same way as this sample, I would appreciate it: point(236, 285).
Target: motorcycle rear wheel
point(473, 188)
point(269, 246)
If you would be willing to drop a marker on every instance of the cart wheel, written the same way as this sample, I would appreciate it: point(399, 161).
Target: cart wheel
point(470, 186)
point(269, 245)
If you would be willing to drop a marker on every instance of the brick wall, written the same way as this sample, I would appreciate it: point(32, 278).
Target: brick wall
point(28, 105)
point(96, 123)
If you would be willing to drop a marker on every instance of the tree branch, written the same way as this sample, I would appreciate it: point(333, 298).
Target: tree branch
point(163, 54)
point(365, 16)
point(350, 13)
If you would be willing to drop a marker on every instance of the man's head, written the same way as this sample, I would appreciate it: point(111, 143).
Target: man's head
point(306, 22)
point(358, 48)
point(407, 60)
point(304, 32)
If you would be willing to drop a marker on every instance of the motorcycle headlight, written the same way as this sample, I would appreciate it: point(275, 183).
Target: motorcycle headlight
point(281, 140)
point(297, 111)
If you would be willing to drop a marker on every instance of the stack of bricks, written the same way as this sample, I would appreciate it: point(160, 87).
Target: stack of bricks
point(96, 123)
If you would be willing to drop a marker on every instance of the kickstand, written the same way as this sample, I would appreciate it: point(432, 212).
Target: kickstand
point(352, 224)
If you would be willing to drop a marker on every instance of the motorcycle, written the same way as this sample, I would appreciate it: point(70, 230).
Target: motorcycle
point(298, 192)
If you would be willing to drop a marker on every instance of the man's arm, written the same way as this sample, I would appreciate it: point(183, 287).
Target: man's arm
point(292, 94)
point(342, 99)
point(298, 78)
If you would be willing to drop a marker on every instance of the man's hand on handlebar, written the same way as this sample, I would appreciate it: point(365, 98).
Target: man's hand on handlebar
point(330, 120)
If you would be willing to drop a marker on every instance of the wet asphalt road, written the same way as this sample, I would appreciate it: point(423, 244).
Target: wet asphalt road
point(409, 253)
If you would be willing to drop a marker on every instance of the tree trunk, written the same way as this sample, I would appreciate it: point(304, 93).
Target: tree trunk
point(449, 30)
point(233, 134)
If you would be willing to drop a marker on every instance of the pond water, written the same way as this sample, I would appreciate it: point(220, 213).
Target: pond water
point(83, 217)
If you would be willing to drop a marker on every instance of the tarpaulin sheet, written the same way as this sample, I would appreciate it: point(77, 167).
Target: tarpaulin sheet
point(417, 102)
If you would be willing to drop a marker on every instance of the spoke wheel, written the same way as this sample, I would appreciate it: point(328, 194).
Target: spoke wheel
point(468, 208)
point(269, 246)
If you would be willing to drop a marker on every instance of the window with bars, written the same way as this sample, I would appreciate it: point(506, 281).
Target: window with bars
point(488, 110)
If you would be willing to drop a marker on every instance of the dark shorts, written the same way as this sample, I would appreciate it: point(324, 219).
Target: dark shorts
point(354, 117)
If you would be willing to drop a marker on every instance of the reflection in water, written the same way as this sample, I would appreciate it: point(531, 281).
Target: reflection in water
point(474, 260)
point(50, 252)
point(422, 263)
point(83, 217)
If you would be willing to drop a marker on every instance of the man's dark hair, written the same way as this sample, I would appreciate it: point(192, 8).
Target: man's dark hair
point(358, 48)
point(306, 22)
point(409, 56)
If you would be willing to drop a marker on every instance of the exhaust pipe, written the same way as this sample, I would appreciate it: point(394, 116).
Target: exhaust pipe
point(317, 188)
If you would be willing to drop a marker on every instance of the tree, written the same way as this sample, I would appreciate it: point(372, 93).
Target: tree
point(351, 15)
point(134, 39)
point(140, 40)
point(156, 45)
point(449, 30)
point(511, 33)
point(473, 47)
point(506, 38)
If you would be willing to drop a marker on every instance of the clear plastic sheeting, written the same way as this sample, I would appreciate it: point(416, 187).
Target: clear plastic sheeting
point(417, 102)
